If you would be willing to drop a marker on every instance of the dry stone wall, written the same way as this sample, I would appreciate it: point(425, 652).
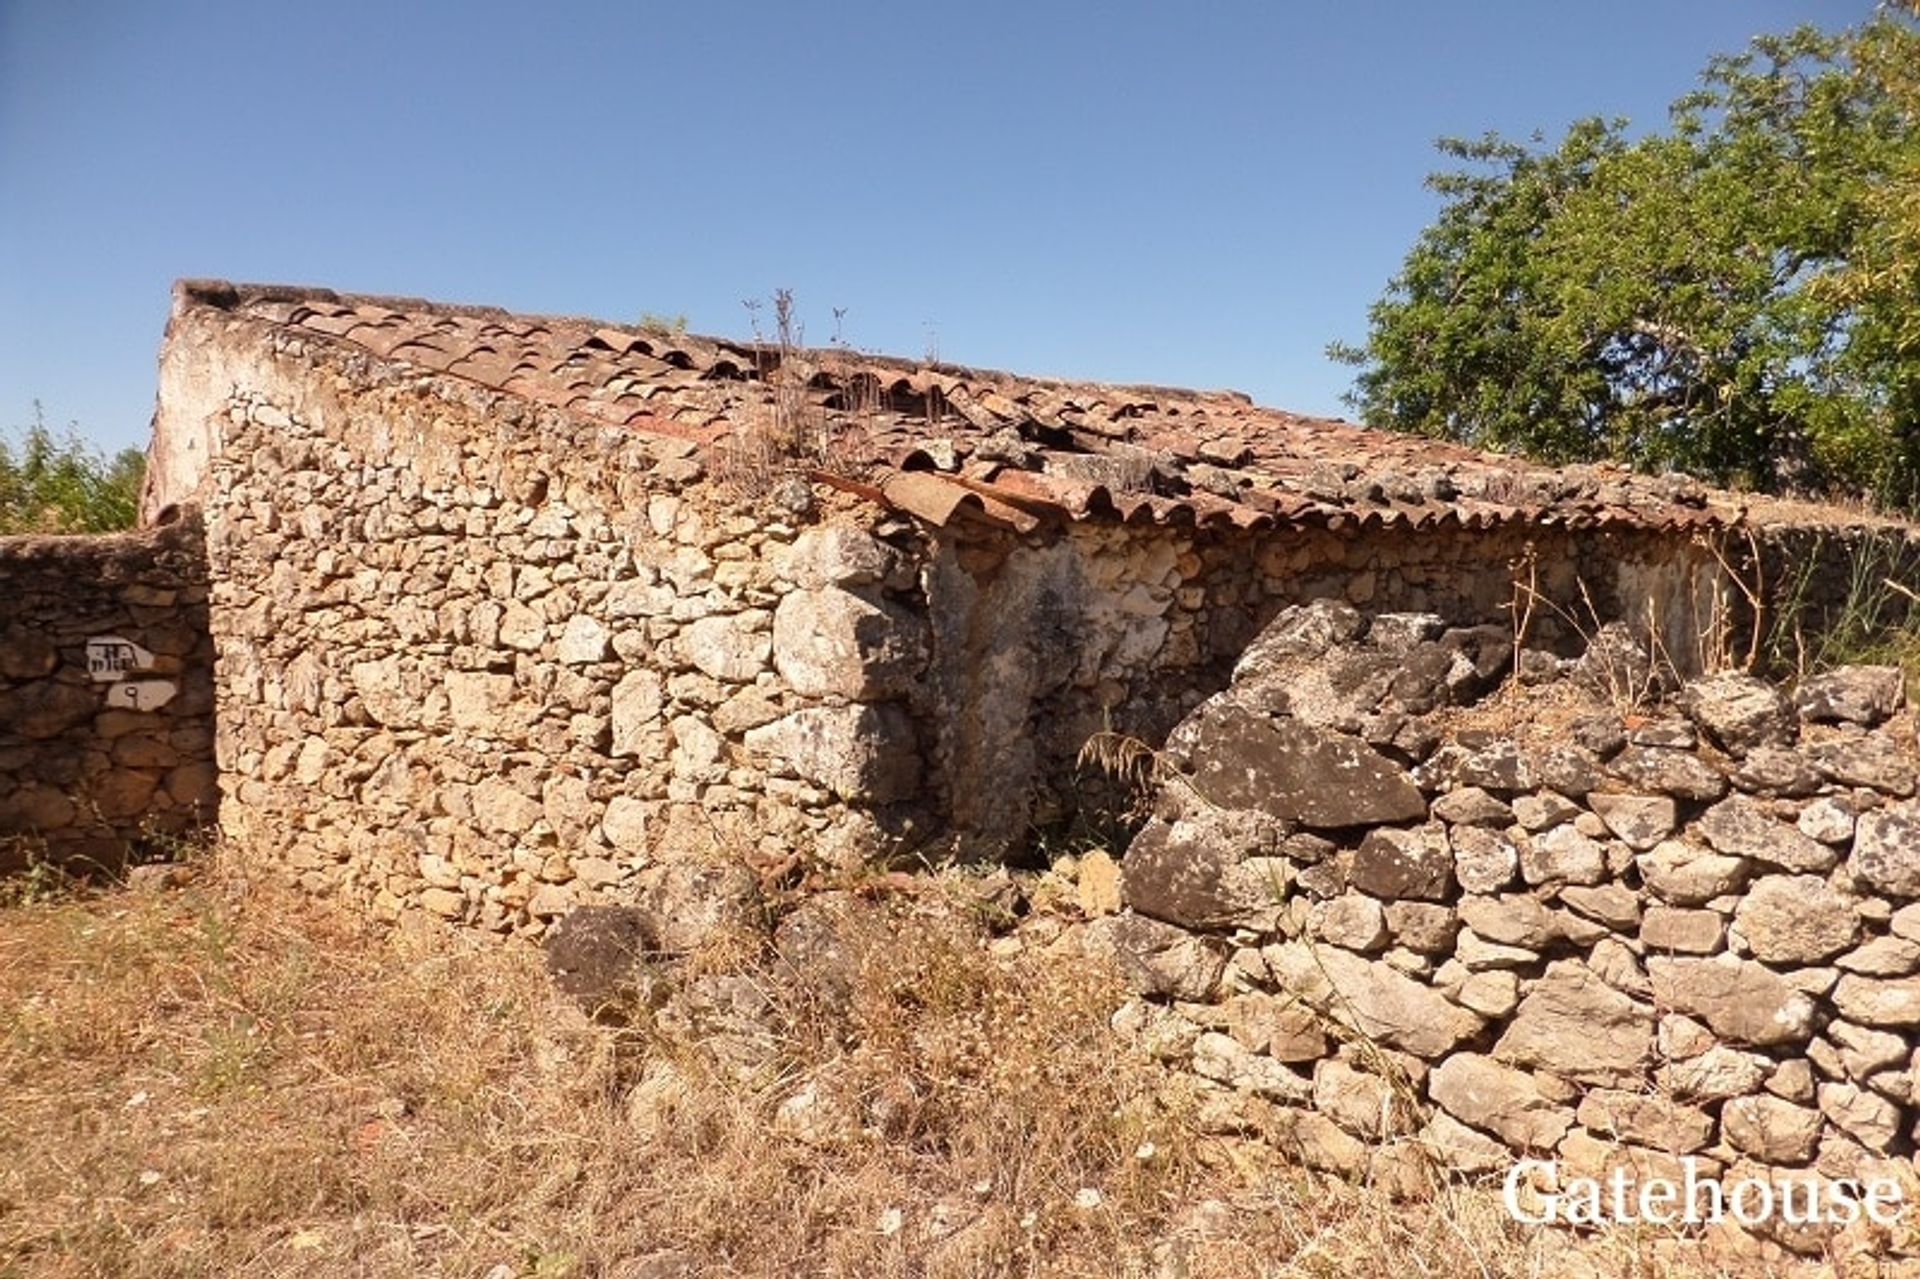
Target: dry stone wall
point(106, 695)
point(1038, 644)
point(488, 663)
point(489, 660)
point(1821, 580)
point(1397, 925)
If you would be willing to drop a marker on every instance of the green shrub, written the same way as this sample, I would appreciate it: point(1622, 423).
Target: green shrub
point(61, 484)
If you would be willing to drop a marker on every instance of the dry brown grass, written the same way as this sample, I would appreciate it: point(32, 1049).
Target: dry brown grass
point(230, 1079)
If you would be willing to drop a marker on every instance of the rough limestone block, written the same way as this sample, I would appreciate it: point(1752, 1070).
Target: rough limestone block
point(1771, 1129)
point(1640, 821)
point(1157, 959)
point(1872, 759)
point(1202, 869)
point(1646, 1120)
point(1874, 1002)
point(1738, 827)
point(1375, 999)
point(1298, 773)
point(1498, 1099)
point(1796, 919)
point(1744, 1002)
point(1677, 930)
point(1740, 712)
point(1688, 875)
point(1666, 771)
point(1575, 1025)
point(838, 555)
point(1864, 695)
point(864, 754)
point(731, 647)
point(832, 642)
point(1405, 864)
point(1886, 850)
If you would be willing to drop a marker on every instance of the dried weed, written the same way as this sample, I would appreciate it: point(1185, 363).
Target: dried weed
point(229, 1078)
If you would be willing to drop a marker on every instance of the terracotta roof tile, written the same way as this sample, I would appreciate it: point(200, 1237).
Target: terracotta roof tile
point(947, 442)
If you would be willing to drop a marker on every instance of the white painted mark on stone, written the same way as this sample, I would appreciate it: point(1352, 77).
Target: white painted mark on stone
point(142, 694)
point(110, 658)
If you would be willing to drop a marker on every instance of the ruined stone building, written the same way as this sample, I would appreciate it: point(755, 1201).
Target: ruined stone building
point(505, 604)
point(480, 616)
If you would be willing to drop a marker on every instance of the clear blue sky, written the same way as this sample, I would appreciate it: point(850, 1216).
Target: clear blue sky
point(1200, 194)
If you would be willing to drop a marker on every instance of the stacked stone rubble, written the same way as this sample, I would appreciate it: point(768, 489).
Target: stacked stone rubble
point(1690, 932)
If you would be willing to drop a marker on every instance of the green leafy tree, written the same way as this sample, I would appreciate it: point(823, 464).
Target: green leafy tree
point(60, 484)
point(1881, 278)
point(1734, 296)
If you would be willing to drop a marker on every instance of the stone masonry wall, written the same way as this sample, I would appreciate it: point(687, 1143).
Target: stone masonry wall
point(1819, 581)
point(489, 660)
point(97, 766)
point(1040, 643)
point(489, 663)
point(1396, 926)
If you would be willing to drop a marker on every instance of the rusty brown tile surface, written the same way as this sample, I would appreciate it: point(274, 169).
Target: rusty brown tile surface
point(946, 442)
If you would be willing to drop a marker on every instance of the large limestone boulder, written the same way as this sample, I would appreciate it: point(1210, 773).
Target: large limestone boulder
point(1742, 1001)
point(1309, 1138)
point(1616, 665)
point(1740, 712)
point(1375, 999)
point(1863, 695)
point(1294, 772)
point(1225, 1060)
point(1715, 1074)
point(863, 754)
point(1362, 1103)
point(832, 642)
point(1472, 806)
point(1575, 1025)
point(1867, 1117)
